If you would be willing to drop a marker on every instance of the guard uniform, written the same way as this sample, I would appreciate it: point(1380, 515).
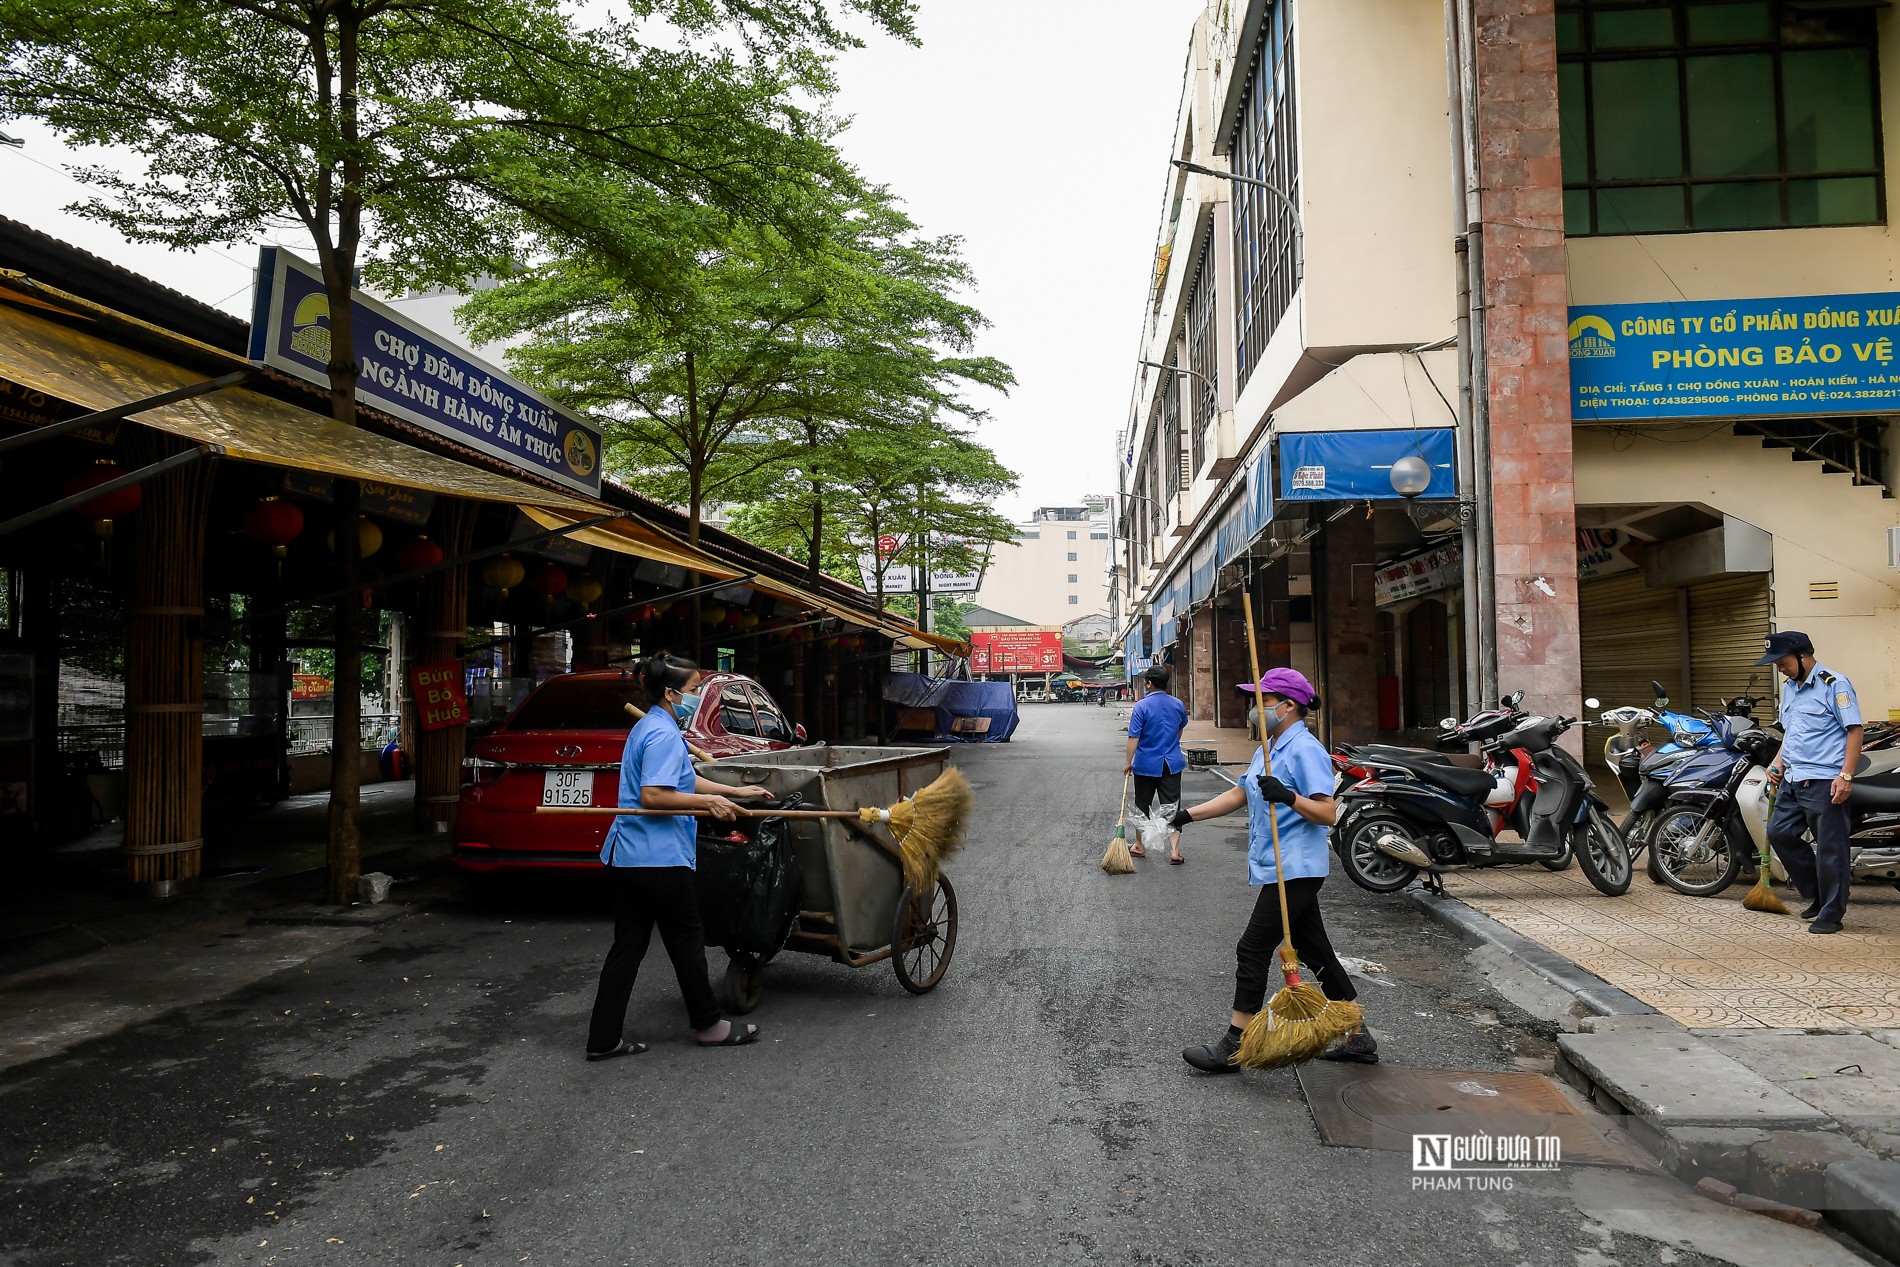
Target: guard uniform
point(1816, 713)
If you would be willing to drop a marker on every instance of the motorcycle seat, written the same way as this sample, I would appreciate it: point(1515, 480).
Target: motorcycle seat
point(1455, 779)
point(1883, 794)
point(1470, 761)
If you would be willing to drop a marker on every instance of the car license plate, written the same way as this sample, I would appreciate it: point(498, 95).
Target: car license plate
point(568, 787)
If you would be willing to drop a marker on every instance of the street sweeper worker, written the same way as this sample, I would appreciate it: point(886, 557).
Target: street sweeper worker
point(1155, 758)
point(650, 862)
point(1299, 794)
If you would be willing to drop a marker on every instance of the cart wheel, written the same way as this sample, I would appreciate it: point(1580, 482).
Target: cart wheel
point(744, 984)
point(923, 937)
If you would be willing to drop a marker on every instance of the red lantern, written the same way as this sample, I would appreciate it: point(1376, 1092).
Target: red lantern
point(735, 616)
point(548, 580)
point(274, 522)
point(417, 553)
point(103, 510)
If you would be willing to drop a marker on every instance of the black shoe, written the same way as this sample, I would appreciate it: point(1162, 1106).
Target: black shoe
point(1214, 1057)
point(1358, 1050)
point(1824, 926)
point(1813, 909)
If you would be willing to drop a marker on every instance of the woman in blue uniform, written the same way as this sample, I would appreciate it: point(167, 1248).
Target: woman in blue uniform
point(650, 864)
point(1299, 794)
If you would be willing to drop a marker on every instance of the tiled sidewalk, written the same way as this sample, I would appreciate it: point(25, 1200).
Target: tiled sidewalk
point(1708, 962)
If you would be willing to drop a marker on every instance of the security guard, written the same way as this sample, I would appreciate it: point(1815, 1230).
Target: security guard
point(1820, 721)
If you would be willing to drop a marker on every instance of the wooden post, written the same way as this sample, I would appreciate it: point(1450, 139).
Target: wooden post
point(164, 676)
point(440, 633)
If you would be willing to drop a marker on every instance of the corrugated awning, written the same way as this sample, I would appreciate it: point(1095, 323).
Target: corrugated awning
point(631, 536)
point(93, 372)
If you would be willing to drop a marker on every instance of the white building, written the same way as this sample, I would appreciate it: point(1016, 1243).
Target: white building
point(1057, 569)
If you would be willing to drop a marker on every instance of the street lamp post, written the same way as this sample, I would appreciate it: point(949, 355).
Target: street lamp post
point(1286, 200)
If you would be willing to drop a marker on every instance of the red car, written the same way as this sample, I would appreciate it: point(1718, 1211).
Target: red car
point(562, 747)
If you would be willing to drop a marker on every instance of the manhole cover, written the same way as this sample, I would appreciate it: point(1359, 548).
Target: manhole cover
point(1379, 1106)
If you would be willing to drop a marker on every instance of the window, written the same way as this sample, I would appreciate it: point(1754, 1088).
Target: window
point(1071, 556)
point(1071, 578)
point(1266, 147)
point(1098, 536)
point(1201, 353)
point(568, 703)
point(1698, 115)
point(735, 712)
point(1071, 534)
point(1074, 601)
point(772, 723)
point(1169, 407)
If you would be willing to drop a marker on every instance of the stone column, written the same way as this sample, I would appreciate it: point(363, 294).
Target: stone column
point(1348, 623)
point(1199, 693)
point(1528, 363)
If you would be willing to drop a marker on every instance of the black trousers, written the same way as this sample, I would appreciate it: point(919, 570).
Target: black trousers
point(1823, 871)
point(643, 898)
point(1255, 971)
point(1149, 786)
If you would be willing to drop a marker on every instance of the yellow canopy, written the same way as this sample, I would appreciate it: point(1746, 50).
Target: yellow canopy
point(95, 373)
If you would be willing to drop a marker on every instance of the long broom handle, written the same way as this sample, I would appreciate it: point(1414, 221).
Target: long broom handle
point(602, 810)
point(1126, 780)
point(1273, 814)
point(699, 754)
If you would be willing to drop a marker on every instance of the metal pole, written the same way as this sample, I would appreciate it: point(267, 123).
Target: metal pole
point(111, 486)
point(100, 417)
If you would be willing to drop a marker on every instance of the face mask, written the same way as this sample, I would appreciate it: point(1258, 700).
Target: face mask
point(686, 708)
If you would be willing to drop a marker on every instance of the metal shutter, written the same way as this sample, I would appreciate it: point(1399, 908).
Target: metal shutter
point(1630, 633)
point(1728, 619)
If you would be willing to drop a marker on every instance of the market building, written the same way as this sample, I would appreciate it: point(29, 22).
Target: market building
point(166, 568)
point(1616, 277)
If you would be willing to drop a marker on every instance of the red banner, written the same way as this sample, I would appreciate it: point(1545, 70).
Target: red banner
point(441, 700)
point(1016, 651)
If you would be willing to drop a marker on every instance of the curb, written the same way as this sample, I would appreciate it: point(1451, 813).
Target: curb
point(1854, 1192)
point(1593, 995)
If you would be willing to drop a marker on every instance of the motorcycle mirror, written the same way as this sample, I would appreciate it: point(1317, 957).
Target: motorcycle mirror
point(1448, 723)
point(1514, 699)
point(1591, 701)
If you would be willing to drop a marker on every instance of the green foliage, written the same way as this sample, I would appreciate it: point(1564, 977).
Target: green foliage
point(948, 616)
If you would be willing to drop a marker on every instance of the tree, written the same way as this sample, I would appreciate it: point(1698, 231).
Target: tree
point(765, 356)
point(450, 134)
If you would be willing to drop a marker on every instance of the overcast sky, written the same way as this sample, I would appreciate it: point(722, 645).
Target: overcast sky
point(1037, 130)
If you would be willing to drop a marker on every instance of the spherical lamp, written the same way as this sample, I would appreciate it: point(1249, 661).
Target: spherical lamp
point(273, 522)
point(1411, 476)
point(585, 589)
point(416, 554)
point(548, 580)
point(503, 573)
point(369, 538)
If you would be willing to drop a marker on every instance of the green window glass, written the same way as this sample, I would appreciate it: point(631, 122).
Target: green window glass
point(1699, 115)
point(1827, 98)
point(1732, 115)
point(1638, 119)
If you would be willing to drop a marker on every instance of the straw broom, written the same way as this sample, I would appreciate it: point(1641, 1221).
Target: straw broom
point(928, 827)
point(1299, 1023)
point(1762, 896)
point(1117, 860)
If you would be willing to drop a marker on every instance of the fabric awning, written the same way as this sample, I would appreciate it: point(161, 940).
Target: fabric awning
point(1351, 465)
point(96, 373)
point(632, 536)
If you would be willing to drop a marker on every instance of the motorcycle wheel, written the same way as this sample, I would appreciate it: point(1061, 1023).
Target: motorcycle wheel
point(1562, 861)
point(1602, 854)
point(1638, 831)
point(1700, 871)
point(1365, 865)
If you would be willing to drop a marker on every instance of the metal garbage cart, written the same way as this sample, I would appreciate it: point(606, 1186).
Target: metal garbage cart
point(857, 908)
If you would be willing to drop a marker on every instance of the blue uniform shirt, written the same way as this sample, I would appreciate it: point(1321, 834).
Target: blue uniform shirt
point(1815, 715)
point(1300, 762)
point(1156, 725)
point(655, 756)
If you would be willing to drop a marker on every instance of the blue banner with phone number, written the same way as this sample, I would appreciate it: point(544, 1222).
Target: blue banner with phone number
point(1813, 354)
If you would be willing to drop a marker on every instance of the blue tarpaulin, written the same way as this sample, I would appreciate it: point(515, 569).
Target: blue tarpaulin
point(1134, 653)
point(952, 701)
point(1248, 517)
point(1343, 466)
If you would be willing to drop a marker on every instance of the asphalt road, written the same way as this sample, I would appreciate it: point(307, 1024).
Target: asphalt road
point(418, 1094)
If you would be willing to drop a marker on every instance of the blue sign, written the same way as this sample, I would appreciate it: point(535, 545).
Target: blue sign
point(412, 374)
point(1350, 466)
point(1814, 354)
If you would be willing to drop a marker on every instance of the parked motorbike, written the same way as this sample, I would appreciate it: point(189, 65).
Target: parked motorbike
point(1707, 832)
point(1644, 768)
point(1421, 814)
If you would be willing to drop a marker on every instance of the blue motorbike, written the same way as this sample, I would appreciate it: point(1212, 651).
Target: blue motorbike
point(1644, 768)
point(1702, 837)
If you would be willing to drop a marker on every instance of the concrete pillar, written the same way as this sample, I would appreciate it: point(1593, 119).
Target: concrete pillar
point(438, 636)
point(1200, 684)
point(1348, 619)
point(1527, 316)
point(1230, 663)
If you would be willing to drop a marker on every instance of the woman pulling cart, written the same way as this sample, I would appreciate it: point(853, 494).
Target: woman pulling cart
point(1299, 795)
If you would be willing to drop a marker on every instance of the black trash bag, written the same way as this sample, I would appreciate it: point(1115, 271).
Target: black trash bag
point(750, 885)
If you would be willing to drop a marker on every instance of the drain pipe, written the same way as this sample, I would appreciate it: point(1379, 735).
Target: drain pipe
point(1474, 431)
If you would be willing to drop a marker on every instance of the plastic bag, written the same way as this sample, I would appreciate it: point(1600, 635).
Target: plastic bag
point(1152, 827)
point(750, 886)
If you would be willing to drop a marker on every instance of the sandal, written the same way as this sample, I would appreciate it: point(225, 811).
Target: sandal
point(735, 1036)
point(1176, 860)
point(622, 1048)
point(1138, 853)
